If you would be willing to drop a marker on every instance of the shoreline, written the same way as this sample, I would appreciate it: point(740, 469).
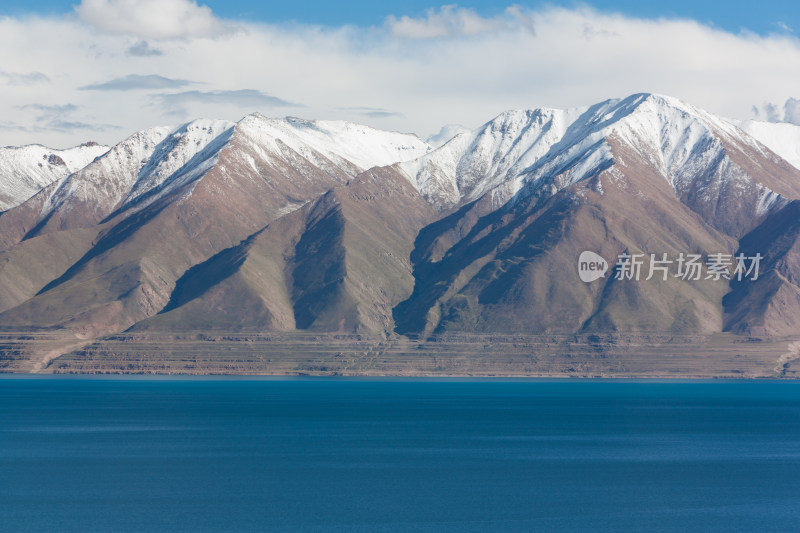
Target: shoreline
point(619, 356)
point(382, 379)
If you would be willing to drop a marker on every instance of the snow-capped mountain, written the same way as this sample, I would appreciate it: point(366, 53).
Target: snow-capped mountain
point(126, 171)
point(643, 174)
point(288, 224)
point(473, 162)
point(154, 163)
point(344, 143)
point(530, 148)
point(25, 170)
point(178, 196)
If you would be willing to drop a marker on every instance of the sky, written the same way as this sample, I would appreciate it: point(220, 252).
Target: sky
point(80, 70)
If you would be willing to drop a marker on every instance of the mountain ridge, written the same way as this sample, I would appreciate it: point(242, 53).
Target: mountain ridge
point(335, 228)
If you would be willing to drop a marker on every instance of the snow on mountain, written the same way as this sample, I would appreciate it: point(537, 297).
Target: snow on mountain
point(176, 151)
point(25, 170)
point(473, 162)
point(687, 145)
point(133, 167)
point(105, 181)
point(780, 137)
point(556, 148)
point(337, 147)
point(520, 148)
point(343, 143)
point(153, 162)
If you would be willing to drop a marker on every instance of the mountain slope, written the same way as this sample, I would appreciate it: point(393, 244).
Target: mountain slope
point(340, 263)
point(25, 170)
point(646, 174)
point(331, 227)
point(770, 305)
point(243, 179)
point(513, 270)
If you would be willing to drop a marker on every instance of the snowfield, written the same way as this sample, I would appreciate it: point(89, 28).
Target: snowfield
point(517, 150)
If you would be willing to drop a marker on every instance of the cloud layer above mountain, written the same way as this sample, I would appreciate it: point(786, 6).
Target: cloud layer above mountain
point(150, 19)
point(788, 112)
point(451, 65)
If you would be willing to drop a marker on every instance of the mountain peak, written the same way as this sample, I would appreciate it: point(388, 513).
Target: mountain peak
point(338, 140)
point(518, 147)
point(331, 226)
point(25, 170)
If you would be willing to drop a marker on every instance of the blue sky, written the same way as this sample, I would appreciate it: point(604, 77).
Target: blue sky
point(78, 70)
point(761, 17)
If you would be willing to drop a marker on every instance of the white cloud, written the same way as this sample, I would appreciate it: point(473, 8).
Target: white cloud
point(54, 118)
point(23, 78)
point(137, 81)
point(143, 49)
point(373, 112)
point(150, 19)
point(790, 112)
point(450, 66)
point(175, 104)
point(48, 110)
point(451, 21)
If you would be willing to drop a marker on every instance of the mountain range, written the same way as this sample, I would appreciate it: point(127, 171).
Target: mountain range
point(286, 225)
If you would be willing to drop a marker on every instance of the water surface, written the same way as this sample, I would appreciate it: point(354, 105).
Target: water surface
point(197, 455)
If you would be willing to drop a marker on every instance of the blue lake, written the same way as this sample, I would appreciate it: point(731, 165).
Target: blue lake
point(197, 455)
